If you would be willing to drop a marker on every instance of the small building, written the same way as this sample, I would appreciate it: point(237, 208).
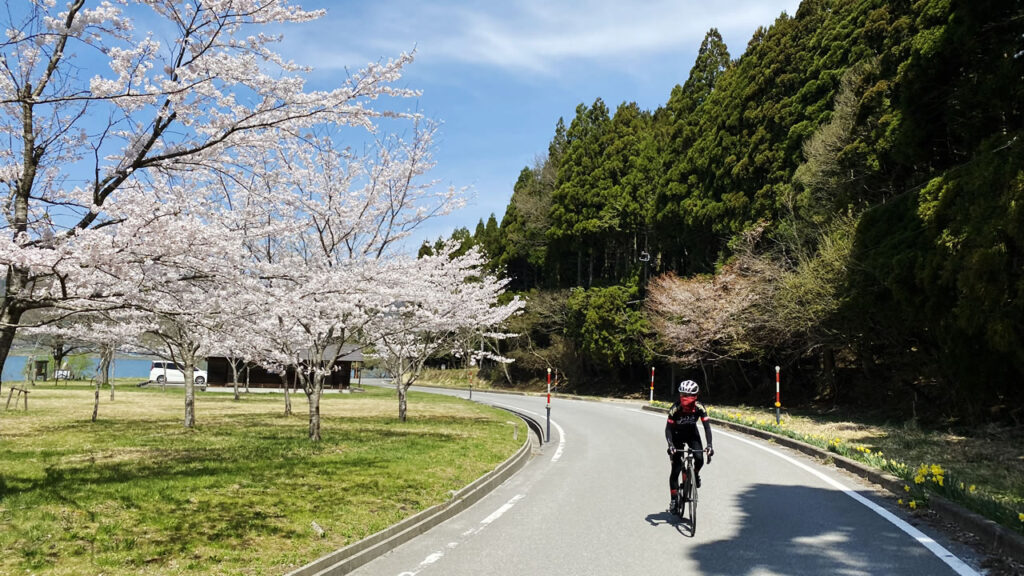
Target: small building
point(219, 372)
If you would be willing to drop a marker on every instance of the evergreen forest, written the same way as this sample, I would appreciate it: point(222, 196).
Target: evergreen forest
point(843, 198)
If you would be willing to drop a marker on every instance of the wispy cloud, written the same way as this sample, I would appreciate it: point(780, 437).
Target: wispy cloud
point(530, 36)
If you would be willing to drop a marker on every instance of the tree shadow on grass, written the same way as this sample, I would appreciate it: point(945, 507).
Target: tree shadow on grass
point(152, 451)
point(802, 530)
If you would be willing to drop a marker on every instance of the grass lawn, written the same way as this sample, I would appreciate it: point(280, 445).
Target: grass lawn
point(137, 493)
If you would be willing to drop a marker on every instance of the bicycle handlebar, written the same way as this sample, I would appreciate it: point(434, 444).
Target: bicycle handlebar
point(687, 449)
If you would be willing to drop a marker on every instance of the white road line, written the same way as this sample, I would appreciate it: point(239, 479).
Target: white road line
point(561, 442)
point(500, 511)
point(958, 565)
point(436, 556)
point(432, 558)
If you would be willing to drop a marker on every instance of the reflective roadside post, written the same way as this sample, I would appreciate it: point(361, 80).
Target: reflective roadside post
point(652, 383)
point(777, 403)
point(549, 405)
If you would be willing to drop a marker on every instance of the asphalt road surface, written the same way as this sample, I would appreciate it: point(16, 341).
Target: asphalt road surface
point(594, 502)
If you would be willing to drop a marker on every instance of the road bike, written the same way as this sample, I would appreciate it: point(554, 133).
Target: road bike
point(686, 501)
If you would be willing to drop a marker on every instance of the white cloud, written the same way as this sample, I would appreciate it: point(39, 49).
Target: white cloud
point(532, 36)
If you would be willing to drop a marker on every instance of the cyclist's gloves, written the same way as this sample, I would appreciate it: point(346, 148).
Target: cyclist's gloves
point(671, 450)
point(711, 452)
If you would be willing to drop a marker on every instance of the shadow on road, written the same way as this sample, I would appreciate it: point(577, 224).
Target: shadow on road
point(670, 519)
point(801, 530)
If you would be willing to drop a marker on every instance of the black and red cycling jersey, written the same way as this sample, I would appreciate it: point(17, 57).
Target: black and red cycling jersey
point(681, 428)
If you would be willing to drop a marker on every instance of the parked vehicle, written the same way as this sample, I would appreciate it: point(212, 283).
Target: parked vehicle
point(163, 372)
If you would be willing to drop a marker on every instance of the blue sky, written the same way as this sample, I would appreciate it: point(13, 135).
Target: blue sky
point(498, 75)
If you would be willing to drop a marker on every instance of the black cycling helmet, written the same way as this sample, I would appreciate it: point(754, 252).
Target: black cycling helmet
point(689, 388)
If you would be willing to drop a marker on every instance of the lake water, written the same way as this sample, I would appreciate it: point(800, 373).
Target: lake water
point(14, 369)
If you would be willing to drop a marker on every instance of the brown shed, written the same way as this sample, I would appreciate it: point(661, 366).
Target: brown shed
point(218, 369)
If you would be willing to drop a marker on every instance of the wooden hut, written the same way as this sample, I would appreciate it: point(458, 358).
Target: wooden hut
point(219, 372)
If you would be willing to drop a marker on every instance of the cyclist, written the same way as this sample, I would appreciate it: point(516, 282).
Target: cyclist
point(681, 430)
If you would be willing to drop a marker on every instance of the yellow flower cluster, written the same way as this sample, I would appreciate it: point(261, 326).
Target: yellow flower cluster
point(912, 504)
point(1020, 516)
point(935, 473)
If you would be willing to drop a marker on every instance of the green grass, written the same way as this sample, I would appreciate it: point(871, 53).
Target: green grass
point(983, 471)
point(137, 493)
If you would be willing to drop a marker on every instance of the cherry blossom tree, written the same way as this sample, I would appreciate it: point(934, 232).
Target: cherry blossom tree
point(429, 313)
point(88, 153)
point(197, 178)
point(321, 224)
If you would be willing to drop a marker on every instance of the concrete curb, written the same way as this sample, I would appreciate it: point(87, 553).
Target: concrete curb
point(347, 559)
point(996, 537)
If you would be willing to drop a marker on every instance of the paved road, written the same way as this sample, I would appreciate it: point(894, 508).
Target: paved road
point(594, 503)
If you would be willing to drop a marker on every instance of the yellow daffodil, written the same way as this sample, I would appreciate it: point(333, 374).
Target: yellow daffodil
point(1020, 516)
point(906, 488)
point(913, 504)
point(900, 501)
point(973, 488)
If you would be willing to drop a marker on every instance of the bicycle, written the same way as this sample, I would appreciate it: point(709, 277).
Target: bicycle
point(688, 488)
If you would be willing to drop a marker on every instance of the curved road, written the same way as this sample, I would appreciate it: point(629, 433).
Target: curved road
point(594, 501)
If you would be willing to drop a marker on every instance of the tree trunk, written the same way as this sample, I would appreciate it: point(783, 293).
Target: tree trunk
point(579, 267)
point(16, 288)
point(314, 408)
point(109, 379)
point(102, 377)
point(190, 389)
point(234, 378)
point(96, 398)
point(59, 353)
point(590, 267)
point(828, 366)
point(402, 404)
point(287, 397)
point(8, 326)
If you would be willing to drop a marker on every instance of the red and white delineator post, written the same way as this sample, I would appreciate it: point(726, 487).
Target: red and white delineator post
point(652, 383)
point(549, 405)
point(777, 403)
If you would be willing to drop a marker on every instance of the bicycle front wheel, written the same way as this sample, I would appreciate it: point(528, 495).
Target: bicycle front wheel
point(692, 500)
point(693, 507)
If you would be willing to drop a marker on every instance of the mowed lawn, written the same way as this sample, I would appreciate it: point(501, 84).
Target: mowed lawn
point(137, 493)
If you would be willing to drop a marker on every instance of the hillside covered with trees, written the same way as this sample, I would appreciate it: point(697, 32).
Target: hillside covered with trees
point(844, 199)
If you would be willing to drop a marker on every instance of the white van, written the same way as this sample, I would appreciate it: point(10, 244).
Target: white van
point(163, 372)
